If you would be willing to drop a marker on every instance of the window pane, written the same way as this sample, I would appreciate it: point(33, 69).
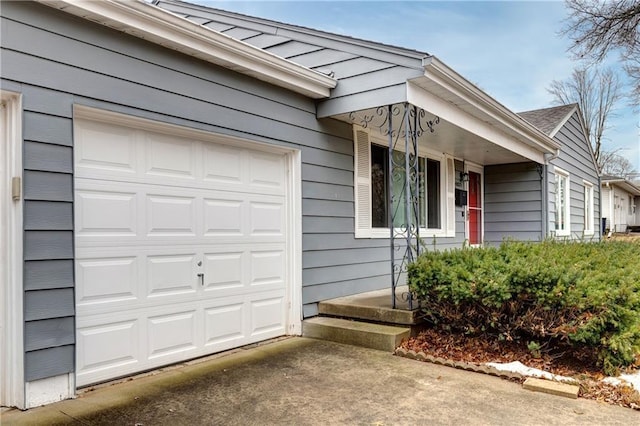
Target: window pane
point(561, 202)
point(399, 185)
point(433, 194)
point(421, 195)
point(587, 207)
point(379, 165)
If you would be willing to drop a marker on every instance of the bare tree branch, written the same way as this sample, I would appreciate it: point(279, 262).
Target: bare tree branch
point(600, 26)
point(596, 92)
point(614, 164)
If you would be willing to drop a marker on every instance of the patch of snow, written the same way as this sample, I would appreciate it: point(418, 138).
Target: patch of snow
point(612, 381)
point(625, 379)
point(518, 367)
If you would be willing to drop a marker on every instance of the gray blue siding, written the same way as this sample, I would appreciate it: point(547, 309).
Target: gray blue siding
point(576, 159)
point(513, 202)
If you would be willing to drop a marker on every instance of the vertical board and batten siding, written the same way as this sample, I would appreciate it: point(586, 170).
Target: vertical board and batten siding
point(513, 202)
point(56, 60)
point(575, 158)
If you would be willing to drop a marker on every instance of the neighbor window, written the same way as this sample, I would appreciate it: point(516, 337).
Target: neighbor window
point(588, 208)
point(563, 225)
point(373, 209)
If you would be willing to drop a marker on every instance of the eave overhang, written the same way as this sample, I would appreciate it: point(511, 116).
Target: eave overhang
point(160, 26)
point(623, 184)
point(447, 94)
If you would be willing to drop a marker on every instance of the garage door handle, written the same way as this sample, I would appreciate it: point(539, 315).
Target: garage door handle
point(201, 276)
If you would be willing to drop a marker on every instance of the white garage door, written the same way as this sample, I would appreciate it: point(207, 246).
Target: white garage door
point(181, 247)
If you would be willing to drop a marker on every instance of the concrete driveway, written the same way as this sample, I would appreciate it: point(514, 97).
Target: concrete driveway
point(301, 381)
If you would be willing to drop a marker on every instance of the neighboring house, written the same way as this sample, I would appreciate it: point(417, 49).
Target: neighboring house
point(572, 176)
point(620, 202)
point(186, 186)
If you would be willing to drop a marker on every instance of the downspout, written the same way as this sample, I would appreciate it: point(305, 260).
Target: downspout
point(545, 192)
point(601, 228)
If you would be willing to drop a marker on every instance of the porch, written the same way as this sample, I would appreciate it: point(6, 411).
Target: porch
point(421, 155)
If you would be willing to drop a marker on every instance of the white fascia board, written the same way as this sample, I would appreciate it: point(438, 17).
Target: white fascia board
point(451, 81)
point(159, 26)
point(623, 184)
point(447, 111)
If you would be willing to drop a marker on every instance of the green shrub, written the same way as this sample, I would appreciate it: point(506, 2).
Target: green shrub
point(565, 295)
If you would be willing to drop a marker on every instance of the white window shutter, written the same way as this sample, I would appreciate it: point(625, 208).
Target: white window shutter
point(451, 198)
point(362, 181)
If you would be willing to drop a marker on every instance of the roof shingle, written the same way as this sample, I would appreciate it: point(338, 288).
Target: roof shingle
point(547, 119)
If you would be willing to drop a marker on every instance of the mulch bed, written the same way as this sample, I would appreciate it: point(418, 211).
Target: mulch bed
point(483, 349)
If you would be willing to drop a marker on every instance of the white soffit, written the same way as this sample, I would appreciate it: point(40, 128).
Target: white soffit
point(461, 101)
point(159, 26)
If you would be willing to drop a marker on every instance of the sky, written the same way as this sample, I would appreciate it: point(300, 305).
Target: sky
point(510, 49)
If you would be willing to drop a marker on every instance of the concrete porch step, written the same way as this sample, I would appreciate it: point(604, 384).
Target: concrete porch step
point(371, 306)
point(357, 333)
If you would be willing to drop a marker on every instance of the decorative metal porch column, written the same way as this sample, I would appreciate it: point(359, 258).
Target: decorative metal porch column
point(403, 125)
point(404, 182)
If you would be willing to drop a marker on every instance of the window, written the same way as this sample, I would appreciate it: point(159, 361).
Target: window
point(563, 225)
point(428, 190)
point(631, 206)
point(588, 208)
point(435, 192)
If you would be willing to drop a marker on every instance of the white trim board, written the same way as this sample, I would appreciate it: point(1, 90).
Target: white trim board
point(12, 392)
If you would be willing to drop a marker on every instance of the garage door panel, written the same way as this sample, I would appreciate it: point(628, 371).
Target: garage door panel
point(170, 334)
point(107, 148)
point(225, 324)
point(181, 248)
point(267, 316)
point(90, 218)
point(171, 157)
point(171, 215)
point(267, 218)
point(223, 217)
point(222, 165)
point(224, 271)
point(170, 275)
point(106, 280)
point(107, 347)
point(267, 268)
point(267, 171)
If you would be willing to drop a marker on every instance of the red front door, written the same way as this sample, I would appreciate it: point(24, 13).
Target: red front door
point(475, 208)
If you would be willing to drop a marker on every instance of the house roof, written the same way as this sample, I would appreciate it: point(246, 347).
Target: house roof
point(611, 178)
point(152, 23)
point(347, 74)
point(372, 74)
point(341, 55)
point(549, 120)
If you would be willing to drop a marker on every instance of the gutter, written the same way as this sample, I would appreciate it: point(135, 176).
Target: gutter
point(152, 23)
